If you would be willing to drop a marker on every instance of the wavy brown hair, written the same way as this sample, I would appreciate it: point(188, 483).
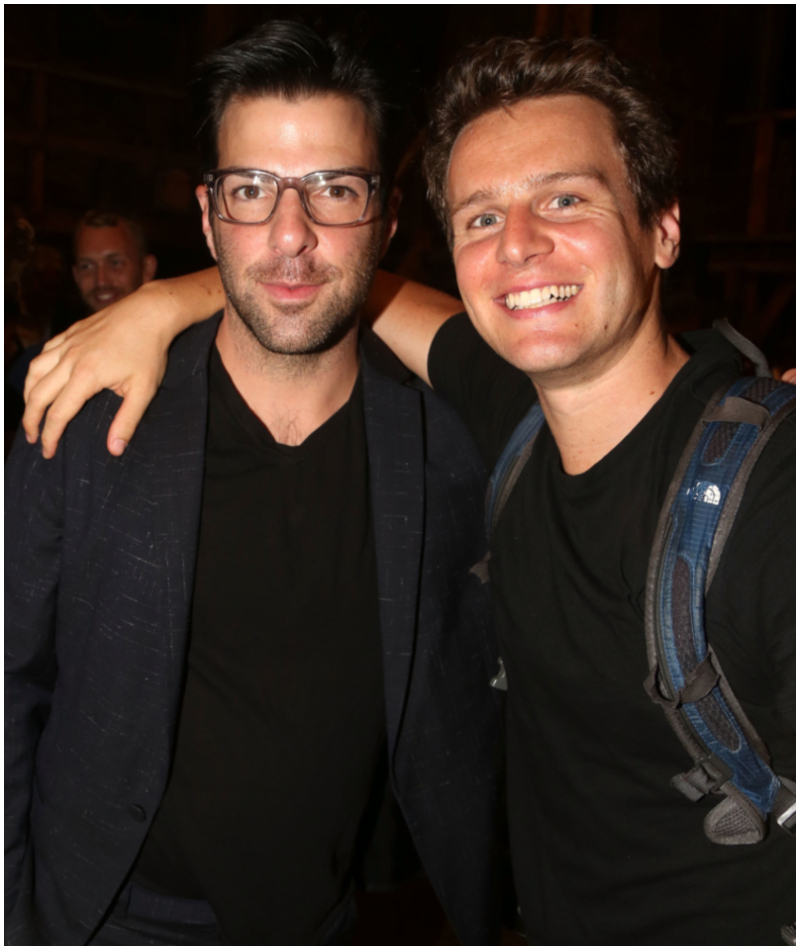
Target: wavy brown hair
point(504, 71)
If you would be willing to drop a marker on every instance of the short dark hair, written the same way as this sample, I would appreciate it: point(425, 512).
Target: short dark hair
point(292, 61)
point(97, 218)
point(504, 71)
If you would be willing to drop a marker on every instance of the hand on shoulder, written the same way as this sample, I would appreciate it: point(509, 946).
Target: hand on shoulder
point(123, 348)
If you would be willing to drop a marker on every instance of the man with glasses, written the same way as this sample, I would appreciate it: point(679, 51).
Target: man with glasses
point(218, 641)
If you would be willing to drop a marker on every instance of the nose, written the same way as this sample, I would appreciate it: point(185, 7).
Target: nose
point(291, 231)
point(101, 275)
point(524, 236)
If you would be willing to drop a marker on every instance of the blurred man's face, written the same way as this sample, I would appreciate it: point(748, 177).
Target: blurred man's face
point(109, 265)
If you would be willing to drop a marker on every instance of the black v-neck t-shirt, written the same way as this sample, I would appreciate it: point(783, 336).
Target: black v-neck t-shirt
point(282, 720)
point(604, 850)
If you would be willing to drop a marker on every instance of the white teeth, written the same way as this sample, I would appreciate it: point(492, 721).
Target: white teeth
point(540, 296)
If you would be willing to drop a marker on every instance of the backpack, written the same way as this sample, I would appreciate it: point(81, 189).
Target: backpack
point(685, 677)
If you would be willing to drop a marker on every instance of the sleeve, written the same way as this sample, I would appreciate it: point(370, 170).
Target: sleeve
point(34, 519)
point(489, 394)
point(751, 605)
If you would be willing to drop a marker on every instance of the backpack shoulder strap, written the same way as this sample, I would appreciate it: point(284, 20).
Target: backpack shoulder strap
point(511, 463)
point(504, 477)
point(685, 677)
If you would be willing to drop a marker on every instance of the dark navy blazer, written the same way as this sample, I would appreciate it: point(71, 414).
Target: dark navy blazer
point(100, 559)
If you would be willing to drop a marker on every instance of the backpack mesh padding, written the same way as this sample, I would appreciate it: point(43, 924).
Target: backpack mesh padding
point(760, 388)
point(708, 707)
point(719, 442)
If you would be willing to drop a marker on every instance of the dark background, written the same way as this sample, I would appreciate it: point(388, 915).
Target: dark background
point(97, 114)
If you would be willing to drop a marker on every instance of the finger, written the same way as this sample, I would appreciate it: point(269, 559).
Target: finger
point(80, 326)
point(39, 368)
point(790, 376)
point(39, 395)
point(56, 341)
point(128, 418)
point(80, 387)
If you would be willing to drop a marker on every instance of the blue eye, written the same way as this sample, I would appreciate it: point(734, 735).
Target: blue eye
point(485, 220)
point(566, 201)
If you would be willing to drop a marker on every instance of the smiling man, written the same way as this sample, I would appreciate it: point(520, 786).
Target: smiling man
point(217, 646)
point(556, 180)
point(111, 258)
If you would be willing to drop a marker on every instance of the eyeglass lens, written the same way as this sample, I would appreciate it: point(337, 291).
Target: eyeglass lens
point(330, 199)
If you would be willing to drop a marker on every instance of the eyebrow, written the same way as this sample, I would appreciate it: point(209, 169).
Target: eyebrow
point(533, 181)
point(347, 169)
point(105, 255)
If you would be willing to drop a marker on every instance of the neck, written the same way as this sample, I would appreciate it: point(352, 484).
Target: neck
point(293, 395)
point(591, 417)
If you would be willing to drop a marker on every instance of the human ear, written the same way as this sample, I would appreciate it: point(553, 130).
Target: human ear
point(390, 221)
point(149, 267)
point(201, 193)
point(668, 237)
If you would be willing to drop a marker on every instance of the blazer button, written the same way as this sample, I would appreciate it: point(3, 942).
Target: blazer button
point(137, 813)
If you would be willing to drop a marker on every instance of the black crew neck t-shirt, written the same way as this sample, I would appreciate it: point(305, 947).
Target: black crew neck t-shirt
point(604, 850)
point(282, 719)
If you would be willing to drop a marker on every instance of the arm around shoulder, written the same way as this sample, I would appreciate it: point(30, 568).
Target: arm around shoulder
point(407, 316)
point(122, 348)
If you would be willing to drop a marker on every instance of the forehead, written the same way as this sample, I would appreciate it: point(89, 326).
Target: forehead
point(293, 138)
point(93, 242)
point(555, 135)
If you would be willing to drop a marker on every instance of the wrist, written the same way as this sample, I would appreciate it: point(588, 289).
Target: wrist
point(170, 308)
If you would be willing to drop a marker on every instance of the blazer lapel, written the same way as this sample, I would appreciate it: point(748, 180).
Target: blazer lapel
point(178, 436)
point(393, 416)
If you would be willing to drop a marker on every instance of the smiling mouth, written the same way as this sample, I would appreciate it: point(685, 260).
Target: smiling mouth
point(540, 296)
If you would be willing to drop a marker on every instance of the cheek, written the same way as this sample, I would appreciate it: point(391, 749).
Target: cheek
point(133, 276)
point(237, 245)
point(471, 261)
point(593, 244)
point(349, 249)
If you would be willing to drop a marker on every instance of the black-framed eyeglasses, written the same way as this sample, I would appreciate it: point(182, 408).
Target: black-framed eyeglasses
point(330, 198)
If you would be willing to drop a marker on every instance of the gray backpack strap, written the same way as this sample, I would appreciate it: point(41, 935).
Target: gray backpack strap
point(511, 463)
point(506, 473)
point(750, 350)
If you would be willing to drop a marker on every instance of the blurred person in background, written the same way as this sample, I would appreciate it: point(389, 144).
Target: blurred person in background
point(111, 258)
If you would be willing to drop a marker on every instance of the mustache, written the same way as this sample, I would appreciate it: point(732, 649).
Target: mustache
point(297, 271)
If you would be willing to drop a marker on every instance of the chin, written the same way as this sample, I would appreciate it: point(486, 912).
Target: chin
point(541, 359)
point(305, 341)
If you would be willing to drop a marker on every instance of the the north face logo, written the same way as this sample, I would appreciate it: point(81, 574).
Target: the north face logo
point(706, 492)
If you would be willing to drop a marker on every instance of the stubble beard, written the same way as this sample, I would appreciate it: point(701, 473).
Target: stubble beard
point(300, 329)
